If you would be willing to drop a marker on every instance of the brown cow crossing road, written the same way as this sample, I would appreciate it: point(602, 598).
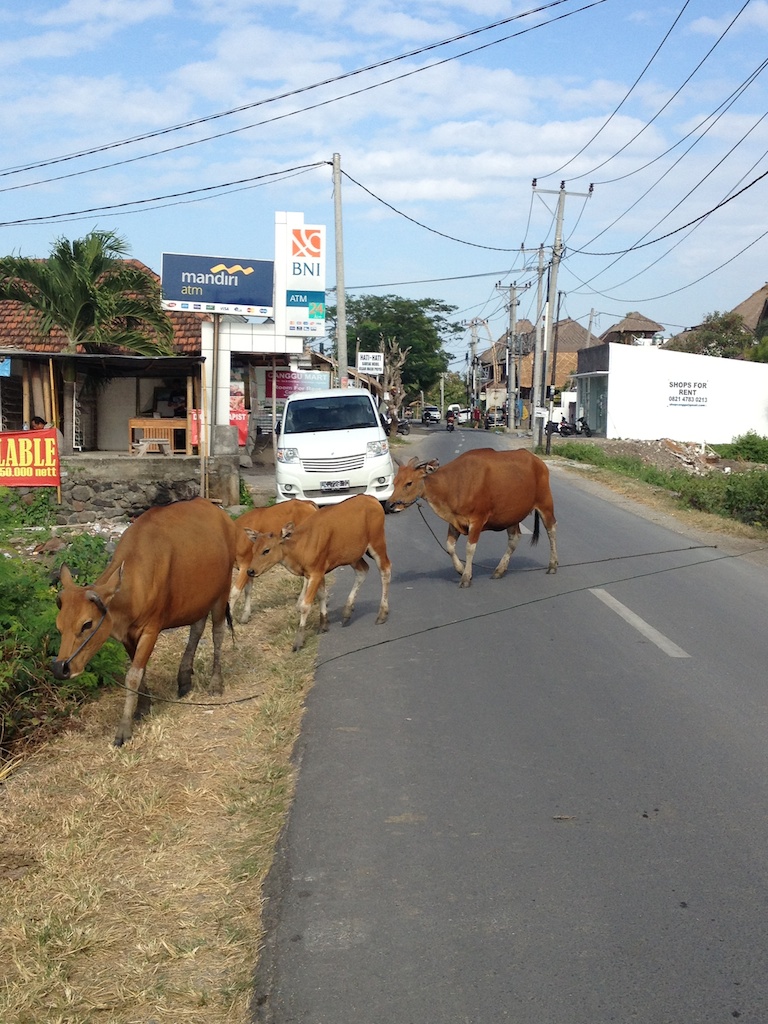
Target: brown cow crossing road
point(481, 489)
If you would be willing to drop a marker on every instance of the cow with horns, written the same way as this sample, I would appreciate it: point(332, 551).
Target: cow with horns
point(481, 490)
point(335, 535)
point(172, 567)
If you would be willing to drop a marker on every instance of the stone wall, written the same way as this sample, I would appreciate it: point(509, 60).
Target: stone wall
point(115, 487)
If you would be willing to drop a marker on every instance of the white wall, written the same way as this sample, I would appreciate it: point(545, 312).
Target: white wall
point(115, 405)
point(654, 393)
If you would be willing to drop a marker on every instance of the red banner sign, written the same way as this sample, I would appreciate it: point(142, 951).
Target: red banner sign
point(29, 458)
point(237, 418)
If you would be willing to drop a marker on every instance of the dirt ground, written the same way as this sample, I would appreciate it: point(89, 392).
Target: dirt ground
point(664, 453)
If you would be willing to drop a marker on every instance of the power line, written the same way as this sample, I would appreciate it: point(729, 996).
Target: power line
point(679, 203)
point(675, 94)
point(433, 231)
point(675, 231)
point(720, 110)
point(200, 192)
point(292, 113)
point(624, 98)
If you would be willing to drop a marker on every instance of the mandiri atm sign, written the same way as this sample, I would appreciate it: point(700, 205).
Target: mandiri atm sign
point(216, 284)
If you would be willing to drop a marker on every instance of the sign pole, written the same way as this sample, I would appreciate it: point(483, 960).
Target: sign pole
point(341, 298)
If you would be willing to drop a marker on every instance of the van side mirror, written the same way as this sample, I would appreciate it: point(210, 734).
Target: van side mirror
point(277, 427)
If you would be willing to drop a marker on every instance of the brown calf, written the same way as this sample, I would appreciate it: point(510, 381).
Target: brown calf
point(268, 519)
point(335, 535)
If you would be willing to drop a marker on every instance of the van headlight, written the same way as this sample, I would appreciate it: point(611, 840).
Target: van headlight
point(378, 447)
point(287, 455)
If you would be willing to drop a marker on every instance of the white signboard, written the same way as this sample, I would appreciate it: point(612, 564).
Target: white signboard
point(370, 362)
point(299, 277)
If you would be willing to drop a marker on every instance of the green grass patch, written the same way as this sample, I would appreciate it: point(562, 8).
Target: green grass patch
point(739, 496)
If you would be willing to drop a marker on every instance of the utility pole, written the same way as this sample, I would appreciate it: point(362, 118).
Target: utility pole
point(557, 253)
point(589, 329)
point(341, 297)
point(536, 380)
point(473, 347)
point(513, 350)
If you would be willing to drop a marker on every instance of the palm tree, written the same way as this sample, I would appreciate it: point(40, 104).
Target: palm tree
point(89, 291)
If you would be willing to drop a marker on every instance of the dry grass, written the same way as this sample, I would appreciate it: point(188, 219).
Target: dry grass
point(130, 879)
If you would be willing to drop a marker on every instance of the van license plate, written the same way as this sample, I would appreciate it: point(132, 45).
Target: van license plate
point(334, 485)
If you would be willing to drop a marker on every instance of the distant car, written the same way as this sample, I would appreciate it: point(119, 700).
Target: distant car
point(494, 418)
point(464, 416)
point(431, 414)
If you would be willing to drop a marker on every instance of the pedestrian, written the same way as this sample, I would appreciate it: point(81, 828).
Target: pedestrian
point(38, 423)
point(476, 417)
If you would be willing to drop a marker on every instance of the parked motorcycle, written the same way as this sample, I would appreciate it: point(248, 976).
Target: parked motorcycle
point(566, 429)
point(403, 426)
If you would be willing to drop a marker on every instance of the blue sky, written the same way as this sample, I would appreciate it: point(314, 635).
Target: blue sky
point(659, 105)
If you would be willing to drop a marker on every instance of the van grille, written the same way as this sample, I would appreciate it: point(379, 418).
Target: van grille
point(334, 465)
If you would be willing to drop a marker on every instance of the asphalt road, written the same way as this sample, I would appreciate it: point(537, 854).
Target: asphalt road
point(542, 799)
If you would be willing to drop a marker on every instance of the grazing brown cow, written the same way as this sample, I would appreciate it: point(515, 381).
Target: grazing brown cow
point(481, 490)
point(335, 535)
point(268, 519)
point(172, 567)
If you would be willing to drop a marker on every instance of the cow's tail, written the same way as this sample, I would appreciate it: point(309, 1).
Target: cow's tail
point(535, 535)
point(231, 624)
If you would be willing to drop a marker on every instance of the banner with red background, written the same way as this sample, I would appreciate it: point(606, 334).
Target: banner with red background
point(29, 458)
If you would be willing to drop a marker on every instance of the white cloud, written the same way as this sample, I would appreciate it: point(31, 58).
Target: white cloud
point(754, 17)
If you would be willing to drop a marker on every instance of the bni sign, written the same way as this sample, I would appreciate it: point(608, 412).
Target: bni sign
point(305, 279)
point(215, 284)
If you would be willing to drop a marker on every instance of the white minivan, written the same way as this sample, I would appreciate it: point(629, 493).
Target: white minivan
point(332, 445)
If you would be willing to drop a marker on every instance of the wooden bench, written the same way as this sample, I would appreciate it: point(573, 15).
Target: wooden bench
point(158, 446)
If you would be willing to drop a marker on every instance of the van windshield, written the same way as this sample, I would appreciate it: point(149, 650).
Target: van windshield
point(347, 412)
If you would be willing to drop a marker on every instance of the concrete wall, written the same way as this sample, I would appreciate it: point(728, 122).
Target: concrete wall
point(655, 393)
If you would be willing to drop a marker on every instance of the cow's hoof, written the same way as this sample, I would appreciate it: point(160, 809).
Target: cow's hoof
point(465, 583)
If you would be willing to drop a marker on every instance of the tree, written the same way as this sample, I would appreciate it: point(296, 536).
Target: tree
point(88, 290)
point(421, 325)
point(454, 390)
point(395, 359)
point(720, 334)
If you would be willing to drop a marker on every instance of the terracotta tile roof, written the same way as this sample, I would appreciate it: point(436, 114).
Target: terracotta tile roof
point(19, 330)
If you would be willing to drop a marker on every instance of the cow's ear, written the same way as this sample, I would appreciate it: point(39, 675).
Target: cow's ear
point(66, 576)
point(431, 466)
point(287, 530)
point(252, 534)
point(110, 587)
